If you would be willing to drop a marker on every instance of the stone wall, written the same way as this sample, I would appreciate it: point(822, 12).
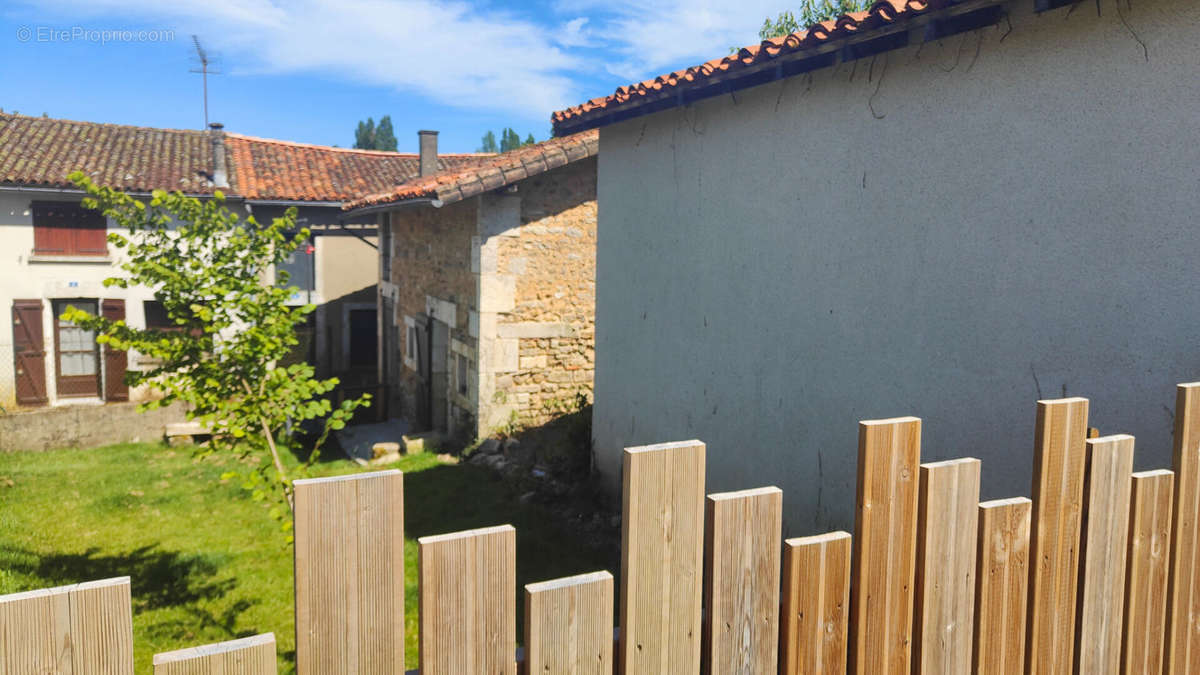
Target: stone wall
point(431, 259)
point(83, 426)
point(552, 260)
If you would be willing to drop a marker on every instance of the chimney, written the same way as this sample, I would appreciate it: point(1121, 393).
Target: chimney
point(220, 178)
point(428, 145)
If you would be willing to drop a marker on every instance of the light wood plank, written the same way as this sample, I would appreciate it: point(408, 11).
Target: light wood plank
point(349, 572)
point(254, 655)
point(947, 535)
point(816, 604)
point(1104, 549)
point(1001, 586)
point(102, 627)
point(885, 540)
point(1183, 608)
point(1058, 469)
point(1149, 560)
point(662, 549)
point(741, 624)
point(80, 628)
point(468, 595)
point(569, 625)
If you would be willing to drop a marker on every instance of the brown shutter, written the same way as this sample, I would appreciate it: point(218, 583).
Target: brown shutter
point(64, 228)
point(29, 352)
point(115, 361)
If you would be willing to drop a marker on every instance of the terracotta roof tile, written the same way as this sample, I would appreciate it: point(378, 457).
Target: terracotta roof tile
point(271, 169)
point(39, 151)
point(879, 15)
point(495, 172)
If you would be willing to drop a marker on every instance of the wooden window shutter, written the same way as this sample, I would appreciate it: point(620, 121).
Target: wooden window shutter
point(115, 361)
point(29, 352)
point(63, 228)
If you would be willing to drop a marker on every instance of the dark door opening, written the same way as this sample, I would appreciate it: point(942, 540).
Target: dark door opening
point(363, 345)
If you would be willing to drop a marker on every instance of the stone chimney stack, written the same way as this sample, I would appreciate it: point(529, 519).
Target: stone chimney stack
point(429, 156)
point(220, 176)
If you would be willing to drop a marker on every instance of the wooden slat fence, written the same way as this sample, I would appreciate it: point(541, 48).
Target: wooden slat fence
point(254, 655)
point(1098, 573)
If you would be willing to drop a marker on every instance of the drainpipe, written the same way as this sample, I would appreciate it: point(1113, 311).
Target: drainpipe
point(220, 177)
point(429, 153)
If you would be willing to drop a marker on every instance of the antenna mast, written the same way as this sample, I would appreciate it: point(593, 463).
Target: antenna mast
point(204, 70)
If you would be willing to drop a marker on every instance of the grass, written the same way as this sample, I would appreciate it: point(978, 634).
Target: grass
point(206, 562)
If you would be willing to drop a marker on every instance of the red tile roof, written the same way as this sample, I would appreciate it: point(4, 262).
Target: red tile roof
point(458, 184)
point(281, 170)
point(879, 16)
point(39, 151)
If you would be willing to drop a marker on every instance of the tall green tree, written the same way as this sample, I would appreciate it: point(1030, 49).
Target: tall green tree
point(385, 138)
point(488, 143)
point(364, 135)
point(509, 140)
point(811, 12)
point(211, 273)
point(368, 136)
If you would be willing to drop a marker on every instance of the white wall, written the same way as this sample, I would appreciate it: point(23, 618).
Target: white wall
point(776, 265)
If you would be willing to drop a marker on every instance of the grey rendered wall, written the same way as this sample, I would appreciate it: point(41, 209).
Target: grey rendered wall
point(935, 234)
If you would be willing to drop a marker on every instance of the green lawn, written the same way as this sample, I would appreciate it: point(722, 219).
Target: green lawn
point(206, 562)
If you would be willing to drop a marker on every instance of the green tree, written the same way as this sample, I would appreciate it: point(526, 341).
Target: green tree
point(211, 273)
point(811, 12)
point(509, 140)
point(368, 136)
point(488, 143)
point(364, 135)
point(385, 138)
point(530, 140)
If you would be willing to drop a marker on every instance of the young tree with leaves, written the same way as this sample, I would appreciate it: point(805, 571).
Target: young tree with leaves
point(211, 272)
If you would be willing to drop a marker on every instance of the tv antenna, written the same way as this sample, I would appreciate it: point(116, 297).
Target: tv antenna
point(206, 67)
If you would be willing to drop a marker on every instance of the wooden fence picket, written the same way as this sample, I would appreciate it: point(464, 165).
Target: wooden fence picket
point(1001, 586)
point(946, 547)
point(816, 604)
point(254, 655)
point(569, 625)
point(1104, 550)
point(1183, 608)
point(885, 540)
point(1147, 570)
point(1058, 470)
point(80, 628)
point(349, 574)
point(468, 589)
point(741, 581)
point(662, 552)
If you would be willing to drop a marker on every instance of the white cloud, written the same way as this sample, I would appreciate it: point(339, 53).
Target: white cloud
point(651, 38)
point(448, 51)
point(575, 33)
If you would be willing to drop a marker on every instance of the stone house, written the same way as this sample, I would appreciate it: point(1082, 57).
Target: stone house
point(943, 209)
point(487, 288)
point(52, 252)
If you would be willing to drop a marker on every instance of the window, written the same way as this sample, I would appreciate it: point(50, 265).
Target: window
point(411, 345)
point(68, 229)
point(76, 356)
point(156, 316)
point(385, 246)
point(463, 369)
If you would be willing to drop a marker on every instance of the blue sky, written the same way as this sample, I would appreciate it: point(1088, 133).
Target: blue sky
point(307, 71)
